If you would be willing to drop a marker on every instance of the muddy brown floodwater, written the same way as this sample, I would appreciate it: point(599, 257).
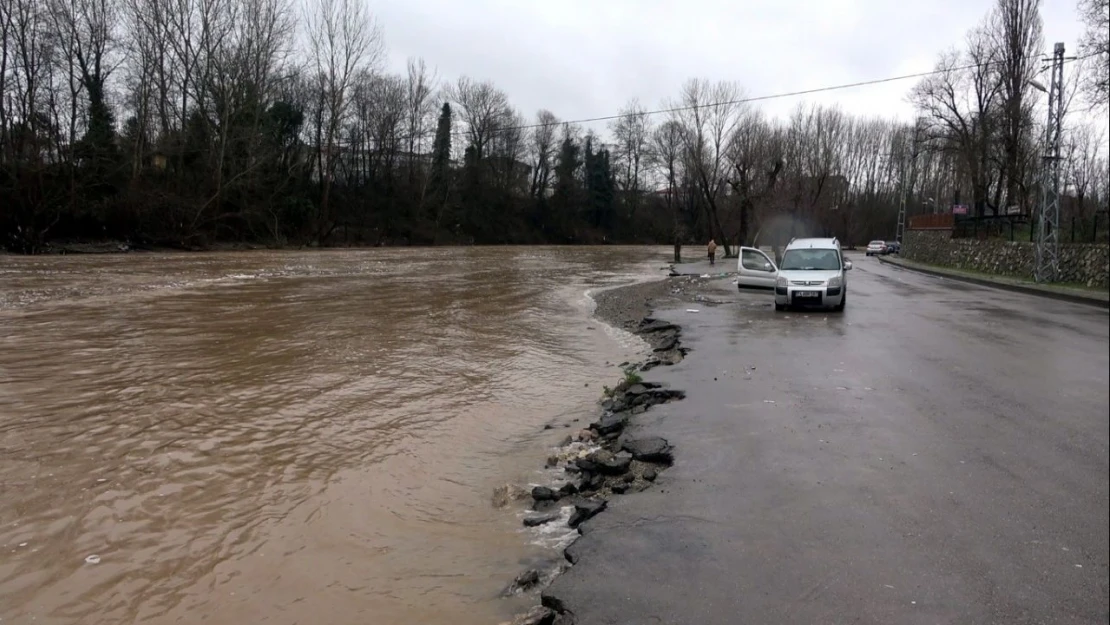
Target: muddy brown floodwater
point(286, 437)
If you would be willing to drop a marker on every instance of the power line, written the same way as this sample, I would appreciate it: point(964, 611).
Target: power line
point(763, 98)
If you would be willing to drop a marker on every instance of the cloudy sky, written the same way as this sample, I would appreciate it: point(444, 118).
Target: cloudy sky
point(586, 58)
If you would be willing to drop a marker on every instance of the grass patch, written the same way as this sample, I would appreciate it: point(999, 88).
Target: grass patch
point(631, 376)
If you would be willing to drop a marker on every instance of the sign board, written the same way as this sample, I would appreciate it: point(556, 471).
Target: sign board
point(959, 209)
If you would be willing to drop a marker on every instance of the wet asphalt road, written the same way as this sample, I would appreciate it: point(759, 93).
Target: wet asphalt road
point(936, 454)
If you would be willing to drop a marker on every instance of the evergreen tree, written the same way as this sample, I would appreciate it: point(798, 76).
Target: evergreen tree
point(600, 187)
point(441, 147)
point(472, 193)
point(565, 194)
point(589, 170)
point(604, 191)
point(439, 183)
point(97, 150)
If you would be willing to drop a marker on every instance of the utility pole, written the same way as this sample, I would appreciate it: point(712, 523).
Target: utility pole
point(901, 211)
point(908, 188)
point(936, 192)
point(1048, 237)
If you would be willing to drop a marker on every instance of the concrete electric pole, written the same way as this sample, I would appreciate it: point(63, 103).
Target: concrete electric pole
point(1048, 227)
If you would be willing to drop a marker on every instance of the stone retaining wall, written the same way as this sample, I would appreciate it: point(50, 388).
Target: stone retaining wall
point(1080, 263)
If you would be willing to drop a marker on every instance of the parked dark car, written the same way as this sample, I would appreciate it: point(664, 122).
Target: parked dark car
point(893, 247)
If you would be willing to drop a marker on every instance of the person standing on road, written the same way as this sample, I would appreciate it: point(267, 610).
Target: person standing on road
point(712, 252)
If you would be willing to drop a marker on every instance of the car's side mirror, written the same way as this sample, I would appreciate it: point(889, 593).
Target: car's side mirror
point(847, 265)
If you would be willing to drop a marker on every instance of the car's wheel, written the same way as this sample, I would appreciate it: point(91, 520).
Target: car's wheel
point(779, 307)
point(843, 302)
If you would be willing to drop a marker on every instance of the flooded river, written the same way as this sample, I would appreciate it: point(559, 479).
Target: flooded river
point(286, 437)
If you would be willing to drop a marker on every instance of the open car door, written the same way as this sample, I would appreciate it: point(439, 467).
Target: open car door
point(755, 270)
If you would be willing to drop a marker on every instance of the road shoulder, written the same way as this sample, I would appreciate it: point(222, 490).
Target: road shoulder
point(1081, 296)
point(903, 462)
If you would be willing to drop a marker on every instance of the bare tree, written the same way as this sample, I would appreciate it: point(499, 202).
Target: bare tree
point(376, 130)
point(344, 39)
point(33, 142)
point(249, 42)
point(141, 51)
point(87, 29)
point(757, 159)
point(708, 117)
point(507, 151)
point(420, 114)
point(666, 154)
point(1095, 43)
point(7, 52)
point(1084, 167)
point(631, 136)
point(375, 150)
point(158, 38)
point(420, 108)
point(859, 162)
point(28, 43)
point(813, 145)
point(185, 35)
point(959, 109)
point(481, 108)
point(542, 151)
point(1015, 31)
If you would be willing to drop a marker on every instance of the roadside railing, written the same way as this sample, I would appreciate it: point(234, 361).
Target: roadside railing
point(1075, 229)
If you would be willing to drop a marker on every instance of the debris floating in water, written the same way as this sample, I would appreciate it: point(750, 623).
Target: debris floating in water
point(93, 559)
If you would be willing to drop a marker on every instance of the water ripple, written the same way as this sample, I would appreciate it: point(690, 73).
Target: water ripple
point(281, 435)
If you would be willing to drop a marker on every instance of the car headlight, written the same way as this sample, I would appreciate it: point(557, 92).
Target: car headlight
point(782, 281)
point(834, 282)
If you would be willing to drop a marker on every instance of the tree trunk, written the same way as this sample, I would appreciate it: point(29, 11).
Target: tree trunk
point(675, 215)
point(711, 209)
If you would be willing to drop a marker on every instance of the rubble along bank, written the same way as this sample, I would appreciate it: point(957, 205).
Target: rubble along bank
point(605, 460)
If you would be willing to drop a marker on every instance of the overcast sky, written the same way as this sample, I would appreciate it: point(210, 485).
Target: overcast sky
point(586, 58)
